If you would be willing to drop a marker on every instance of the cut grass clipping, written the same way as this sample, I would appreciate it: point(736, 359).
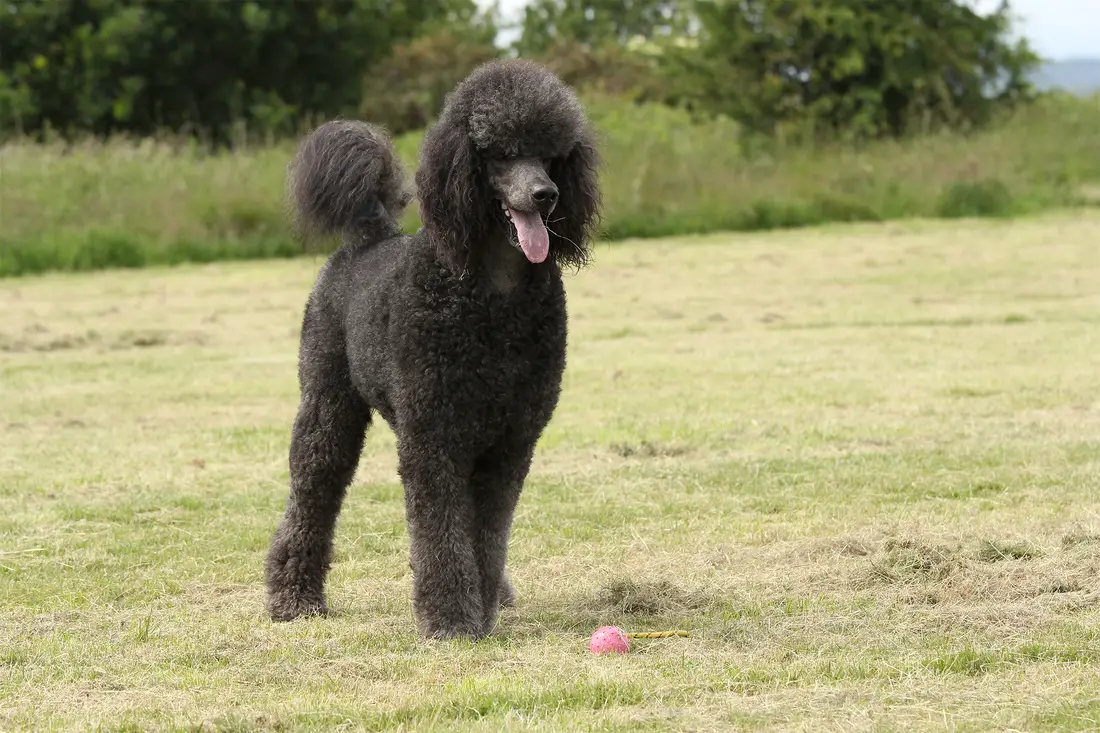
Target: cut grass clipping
point(858, 465)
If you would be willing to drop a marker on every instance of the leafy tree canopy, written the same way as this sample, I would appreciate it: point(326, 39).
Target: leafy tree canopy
point(140, 65)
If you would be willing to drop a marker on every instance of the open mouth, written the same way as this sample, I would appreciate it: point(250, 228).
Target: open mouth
point(528, 232)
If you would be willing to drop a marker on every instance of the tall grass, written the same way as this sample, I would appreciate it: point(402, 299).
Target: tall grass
point(132, 203)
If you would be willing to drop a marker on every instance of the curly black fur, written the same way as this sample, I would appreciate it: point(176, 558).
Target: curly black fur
point(452, 335)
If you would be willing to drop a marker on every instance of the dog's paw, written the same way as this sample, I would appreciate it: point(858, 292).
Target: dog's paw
point(443, 632)
point(456, 621)
point(287, 608)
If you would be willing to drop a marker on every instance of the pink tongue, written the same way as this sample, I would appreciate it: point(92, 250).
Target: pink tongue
point(533, 237)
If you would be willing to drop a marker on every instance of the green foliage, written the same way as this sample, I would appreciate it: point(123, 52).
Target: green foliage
point(856, 68)
point(99, 250)
point(121, 203)
point(803, 69)
point(596, 23)
point(145, 65)
point(975, 198)
point(610, 69)
point(406, 90)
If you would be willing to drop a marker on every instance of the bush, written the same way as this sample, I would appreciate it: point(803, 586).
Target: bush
point(134, 203)
point(989, 197)
point(406, 90)
point(609, 70)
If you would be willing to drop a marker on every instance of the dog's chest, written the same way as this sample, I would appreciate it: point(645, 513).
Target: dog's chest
point(495, 361)
point(500, 342)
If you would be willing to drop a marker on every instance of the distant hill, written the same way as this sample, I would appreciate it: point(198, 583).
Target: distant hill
point(1081, 76)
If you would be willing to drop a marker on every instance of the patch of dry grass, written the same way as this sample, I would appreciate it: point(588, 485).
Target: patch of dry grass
point(858, 464)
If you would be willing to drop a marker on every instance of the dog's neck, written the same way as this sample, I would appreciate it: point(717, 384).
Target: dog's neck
point(502, 267)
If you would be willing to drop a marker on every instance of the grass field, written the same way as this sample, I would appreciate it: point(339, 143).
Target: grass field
point(133, 203)
point(860, 464)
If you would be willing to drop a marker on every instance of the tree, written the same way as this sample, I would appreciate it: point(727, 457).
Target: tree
point(598, 23)
point(856, 67)
point(140, 65)
point(611, 69)
point(406, 90)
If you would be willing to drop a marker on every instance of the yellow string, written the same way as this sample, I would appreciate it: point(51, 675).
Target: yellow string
point(656, 634)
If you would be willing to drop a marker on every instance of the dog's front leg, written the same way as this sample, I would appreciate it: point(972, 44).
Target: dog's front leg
point(447, 597)
point(497, 482)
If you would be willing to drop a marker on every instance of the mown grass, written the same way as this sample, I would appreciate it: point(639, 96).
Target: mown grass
point(132, 204)
point(858, 463)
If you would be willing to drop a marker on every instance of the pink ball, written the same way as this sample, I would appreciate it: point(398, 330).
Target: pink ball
point(607, 640)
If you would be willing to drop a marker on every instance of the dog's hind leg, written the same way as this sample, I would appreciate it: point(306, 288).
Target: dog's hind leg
point(438, 507)
point(324, 451)
point(497, 483)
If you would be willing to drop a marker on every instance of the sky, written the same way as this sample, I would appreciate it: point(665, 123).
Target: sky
point(1057, 29)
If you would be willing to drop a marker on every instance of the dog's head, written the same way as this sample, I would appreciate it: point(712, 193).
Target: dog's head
point(512, 155)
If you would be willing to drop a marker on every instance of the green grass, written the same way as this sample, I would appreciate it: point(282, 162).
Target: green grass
point(133, 204)
point(858, 463)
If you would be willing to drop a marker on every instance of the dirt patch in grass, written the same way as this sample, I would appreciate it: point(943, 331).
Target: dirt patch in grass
point(43, 340)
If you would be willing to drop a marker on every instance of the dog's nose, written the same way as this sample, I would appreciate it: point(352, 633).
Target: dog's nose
point(545, 195)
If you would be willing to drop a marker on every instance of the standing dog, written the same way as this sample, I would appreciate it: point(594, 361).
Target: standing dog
point(456, 335)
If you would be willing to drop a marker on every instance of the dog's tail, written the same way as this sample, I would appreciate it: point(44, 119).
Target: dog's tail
point(346, 179)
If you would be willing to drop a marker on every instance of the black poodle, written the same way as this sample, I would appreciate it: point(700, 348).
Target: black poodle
point(455, 335)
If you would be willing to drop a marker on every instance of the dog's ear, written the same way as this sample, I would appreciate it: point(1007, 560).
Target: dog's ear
point(455, 203)
point(575, 218)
